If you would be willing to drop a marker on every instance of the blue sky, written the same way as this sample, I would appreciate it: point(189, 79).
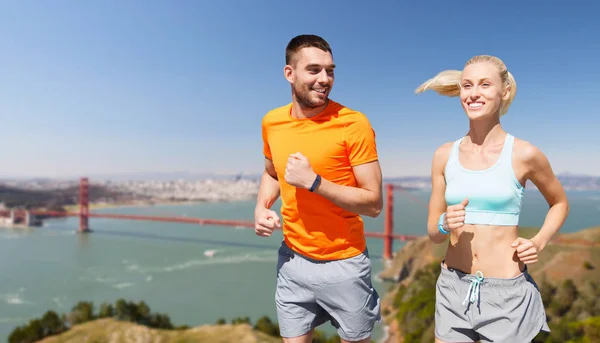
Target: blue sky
point(101, 87)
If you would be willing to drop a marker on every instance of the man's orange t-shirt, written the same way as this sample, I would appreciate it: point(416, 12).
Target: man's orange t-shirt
point(333, 142)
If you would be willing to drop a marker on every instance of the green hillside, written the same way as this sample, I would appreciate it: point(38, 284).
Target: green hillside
point(568, 274)
point(133, 322)
point(114, 331)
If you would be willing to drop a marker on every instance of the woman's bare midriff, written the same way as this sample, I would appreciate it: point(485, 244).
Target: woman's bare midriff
point(486, 249)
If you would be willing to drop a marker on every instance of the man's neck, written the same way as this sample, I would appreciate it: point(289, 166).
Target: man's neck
point(300, 112)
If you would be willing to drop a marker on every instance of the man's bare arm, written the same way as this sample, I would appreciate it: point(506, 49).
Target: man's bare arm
point(265, 219)
point(366, 199)
point(268, 191)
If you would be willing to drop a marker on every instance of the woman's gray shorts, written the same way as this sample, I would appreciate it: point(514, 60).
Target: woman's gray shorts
point(310, 293)
point(494, 310)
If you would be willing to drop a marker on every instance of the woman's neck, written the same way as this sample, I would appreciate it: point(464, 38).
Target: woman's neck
point(485, 132)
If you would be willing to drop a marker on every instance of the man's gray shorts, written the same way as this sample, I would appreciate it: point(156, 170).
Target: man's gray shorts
point(310, 292)
point(501, 310)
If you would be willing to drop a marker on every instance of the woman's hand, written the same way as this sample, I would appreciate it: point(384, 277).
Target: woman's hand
point(527, 250)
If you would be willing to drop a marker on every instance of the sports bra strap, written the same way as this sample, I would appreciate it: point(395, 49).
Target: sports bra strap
point(507, 151)
point(452, 159)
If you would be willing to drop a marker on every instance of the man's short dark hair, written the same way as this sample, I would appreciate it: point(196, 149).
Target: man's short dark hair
point(305, 41)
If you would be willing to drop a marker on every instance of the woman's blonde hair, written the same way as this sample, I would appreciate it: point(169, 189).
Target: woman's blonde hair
point(447, 82)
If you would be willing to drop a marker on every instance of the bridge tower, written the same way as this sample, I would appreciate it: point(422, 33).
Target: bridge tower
point(388, 240)
point(83, 205)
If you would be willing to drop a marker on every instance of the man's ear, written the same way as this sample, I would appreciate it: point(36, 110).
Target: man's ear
point(288, 72)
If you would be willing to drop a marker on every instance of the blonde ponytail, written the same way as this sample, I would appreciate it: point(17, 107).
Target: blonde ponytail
point(445, 83)
point(510, 82)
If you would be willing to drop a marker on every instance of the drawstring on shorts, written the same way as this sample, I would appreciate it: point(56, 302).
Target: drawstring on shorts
point(473, 292)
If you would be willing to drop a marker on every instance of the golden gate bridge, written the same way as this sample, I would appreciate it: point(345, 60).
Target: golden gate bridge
point(84, 215)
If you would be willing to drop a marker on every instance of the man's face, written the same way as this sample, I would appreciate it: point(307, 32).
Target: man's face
point(311, 76)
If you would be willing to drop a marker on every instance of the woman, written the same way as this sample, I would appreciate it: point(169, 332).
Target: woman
point(484, 292)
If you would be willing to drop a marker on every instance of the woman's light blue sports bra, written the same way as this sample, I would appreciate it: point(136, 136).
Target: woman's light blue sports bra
point(495, 195)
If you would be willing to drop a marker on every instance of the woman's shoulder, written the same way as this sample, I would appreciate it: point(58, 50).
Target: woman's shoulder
point(443, 151)
point(441, 155)
point(527, 153)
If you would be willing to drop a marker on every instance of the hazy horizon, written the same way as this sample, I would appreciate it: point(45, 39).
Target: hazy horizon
point(200, 175)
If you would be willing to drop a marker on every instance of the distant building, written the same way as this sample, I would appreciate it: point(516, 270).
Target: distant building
point(20, 218)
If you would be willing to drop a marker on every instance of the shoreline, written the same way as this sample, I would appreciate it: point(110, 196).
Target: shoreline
point(142, 203)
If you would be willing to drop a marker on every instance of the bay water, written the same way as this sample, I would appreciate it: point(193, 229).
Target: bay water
point(195, 274)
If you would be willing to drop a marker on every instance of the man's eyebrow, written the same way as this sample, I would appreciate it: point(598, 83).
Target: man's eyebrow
point(314, 65)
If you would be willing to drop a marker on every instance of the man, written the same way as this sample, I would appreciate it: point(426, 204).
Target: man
point(321, 157)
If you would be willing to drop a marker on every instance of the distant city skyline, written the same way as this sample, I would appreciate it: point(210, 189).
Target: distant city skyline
point(190, 186)
point(163, 87)
point(190, 176)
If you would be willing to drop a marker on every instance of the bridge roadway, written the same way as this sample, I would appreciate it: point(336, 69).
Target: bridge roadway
point(186, 220)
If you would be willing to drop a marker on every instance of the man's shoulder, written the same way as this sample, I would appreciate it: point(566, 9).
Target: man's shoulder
point(277, 113)
point(349, 114)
